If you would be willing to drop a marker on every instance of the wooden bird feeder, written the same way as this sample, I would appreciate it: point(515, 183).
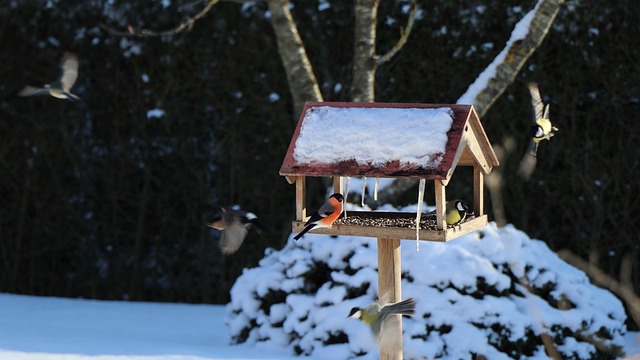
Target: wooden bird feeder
point(452, 135)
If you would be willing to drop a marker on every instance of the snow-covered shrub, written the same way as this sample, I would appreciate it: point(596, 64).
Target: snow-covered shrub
point(487, 294)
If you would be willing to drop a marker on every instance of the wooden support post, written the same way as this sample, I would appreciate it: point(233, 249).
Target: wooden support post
point(390, 289)
point(337, 185)
point(441, 202)
point(478, 191)
point(301, 203)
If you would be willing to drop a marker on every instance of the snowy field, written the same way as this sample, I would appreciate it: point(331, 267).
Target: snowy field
point(43, 328)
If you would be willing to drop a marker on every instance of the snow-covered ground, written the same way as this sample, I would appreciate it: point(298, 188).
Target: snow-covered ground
point(45, 328)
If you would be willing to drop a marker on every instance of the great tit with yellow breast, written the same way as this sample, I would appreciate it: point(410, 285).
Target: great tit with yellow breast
point(61, 88)
point(455, 212)
point(377, 316)
point(543, 129)
point(325, 216)
point(234, 225)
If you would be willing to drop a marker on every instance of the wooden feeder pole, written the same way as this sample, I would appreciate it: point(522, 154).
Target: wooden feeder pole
point(441, 200)
point(478, 191)
point(301, 206)
point(390, 290)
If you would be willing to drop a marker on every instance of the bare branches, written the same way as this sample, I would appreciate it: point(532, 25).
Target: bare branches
point(404, 35)
point(186, 25)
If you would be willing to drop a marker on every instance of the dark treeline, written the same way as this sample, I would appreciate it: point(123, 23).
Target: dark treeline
point(100, 200)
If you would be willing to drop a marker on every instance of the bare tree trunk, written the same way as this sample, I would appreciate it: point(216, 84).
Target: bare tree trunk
point(302, 81)
point(517, 55)
point(364, 64)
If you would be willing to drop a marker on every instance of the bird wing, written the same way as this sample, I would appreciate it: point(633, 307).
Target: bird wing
point(326, 209)
point(536, 101)
point(69, 75)
point(545, 114)
point(232, 237)
point(30, 90)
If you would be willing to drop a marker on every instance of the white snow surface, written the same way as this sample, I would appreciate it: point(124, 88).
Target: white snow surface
point(373, 136)
point(441, 277)
point(48, 328)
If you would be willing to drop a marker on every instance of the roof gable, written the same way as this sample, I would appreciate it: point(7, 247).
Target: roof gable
point(386, 140)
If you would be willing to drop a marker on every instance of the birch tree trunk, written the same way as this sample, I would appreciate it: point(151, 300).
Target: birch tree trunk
point(302, 81)
point(364, 64)
point(517, 55)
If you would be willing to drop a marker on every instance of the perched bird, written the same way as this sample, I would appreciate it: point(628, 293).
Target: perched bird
point(325, 216)
point(455, 212)
point(543, 129)
point(234, 225)
point(377, 316)
point(60, 89)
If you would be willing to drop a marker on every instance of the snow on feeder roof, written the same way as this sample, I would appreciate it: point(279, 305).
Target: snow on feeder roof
point(387, 140)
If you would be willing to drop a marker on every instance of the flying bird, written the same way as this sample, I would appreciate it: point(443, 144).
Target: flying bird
point(543, 129)
point(234, 225)
point(61, 88)
point(378, 315)
point(325, 216)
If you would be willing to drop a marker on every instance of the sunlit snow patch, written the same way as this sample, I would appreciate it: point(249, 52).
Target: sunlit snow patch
point(155, 113)
point(374, 136)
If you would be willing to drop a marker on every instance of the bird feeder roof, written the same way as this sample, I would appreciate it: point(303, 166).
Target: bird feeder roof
point(387, 140)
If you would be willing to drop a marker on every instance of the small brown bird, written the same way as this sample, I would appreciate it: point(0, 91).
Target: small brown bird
point(234, 225)
point(61, 88)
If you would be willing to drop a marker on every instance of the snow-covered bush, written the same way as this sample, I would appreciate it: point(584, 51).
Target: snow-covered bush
point(487, 294)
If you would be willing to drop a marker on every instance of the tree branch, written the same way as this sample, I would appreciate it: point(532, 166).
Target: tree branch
point(186, 25)
point(404, 35)
point(504, 68)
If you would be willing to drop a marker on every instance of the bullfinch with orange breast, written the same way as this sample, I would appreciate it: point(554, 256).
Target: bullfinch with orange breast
point(325, 216)
point(234, 225)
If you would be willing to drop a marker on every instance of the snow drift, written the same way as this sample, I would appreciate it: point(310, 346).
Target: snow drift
point(490, 293)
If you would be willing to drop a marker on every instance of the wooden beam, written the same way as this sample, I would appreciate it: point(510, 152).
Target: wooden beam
point(441, 200)
point(478, 191)
point(390, 290)
point(301, 203)
point(337, 185)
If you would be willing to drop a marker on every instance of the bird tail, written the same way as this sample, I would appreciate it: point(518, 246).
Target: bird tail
point(404, 307)
point(309, 227)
